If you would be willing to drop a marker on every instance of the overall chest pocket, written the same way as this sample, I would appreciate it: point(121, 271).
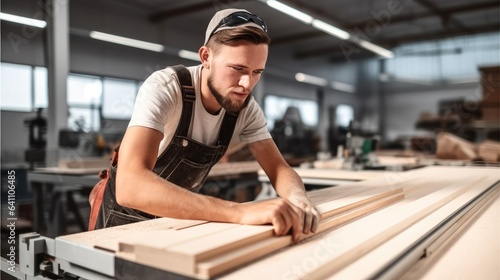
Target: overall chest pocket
point(189, 175)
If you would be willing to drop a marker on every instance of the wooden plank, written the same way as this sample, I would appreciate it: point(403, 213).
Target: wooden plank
point(472, 254)
point(220, 263)
point(338, 206)
point(184, 252)
point(390, 250)
point(215, 266)
point(149, 248)
point(333, 250)
point(338, 174)
point(390, 224)
point(108, 239)
point(187, 254)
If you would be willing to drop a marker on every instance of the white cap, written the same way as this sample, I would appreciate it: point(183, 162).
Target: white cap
point(216, 19)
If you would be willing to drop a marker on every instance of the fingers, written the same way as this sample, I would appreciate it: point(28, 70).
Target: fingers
point(285, 218)
point(316, 219)
point(308, 220)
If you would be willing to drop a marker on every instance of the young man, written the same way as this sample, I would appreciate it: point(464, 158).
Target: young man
point(172, 140)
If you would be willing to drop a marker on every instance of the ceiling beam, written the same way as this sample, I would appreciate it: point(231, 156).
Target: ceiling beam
point(446, 18)
point(399, 19)
point(336, 52)
point(440, 34)
point(446, 11)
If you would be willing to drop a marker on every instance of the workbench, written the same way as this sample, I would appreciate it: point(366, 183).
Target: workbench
point(433, 223)
point(317, 178)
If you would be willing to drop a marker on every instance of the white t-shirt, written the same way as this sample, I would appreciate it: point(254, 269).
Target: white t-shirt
point(159, 105)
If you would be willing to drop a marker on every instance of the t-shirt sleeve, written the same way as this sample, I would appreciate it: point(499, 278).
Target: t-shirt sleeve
point(255, 125)
point(155, 101)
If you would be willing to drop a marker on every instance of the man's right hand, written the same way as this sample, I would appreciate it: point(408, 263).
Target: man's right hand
point(281, 213)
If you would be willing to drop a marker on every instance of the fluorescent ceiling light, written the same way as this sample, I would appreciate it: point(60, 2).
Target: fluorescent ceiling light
point(376, 49)
point(290, 11)
point(23, 20)
point(330, 29)
point(189, 55)
point(126, 41)
point(305, 78)
point(343, 87)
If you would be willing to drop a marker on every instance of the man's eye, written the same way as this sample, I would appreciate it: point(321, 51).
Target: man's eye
point(238, 68)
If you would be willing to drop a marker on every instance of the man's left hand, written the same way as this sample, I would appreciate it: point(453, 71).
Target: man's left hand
point(311, 216)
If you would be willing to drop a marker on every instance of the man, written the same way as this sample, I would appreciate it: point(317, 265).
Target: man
point(168, 150)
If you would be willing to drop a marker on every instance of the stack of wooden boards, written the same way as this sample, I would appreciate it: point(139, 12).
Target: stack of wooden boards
point(364, 225)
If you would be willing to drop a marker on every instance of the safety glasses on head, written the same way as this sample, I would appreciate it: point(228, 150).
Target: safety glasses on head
point(239, 18)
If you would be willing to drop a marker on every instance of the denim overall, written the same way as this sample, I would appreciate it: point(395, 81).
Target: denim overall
point(185, 162)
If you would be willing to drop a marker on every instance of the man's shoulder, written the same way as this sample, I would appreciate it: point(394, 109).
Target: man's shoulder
point(168, 75)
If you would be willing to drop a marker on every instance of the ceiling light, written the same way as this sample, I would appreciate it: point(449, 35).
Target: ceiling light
point(189, 55)
point(310, 79)
point(23, 20)
point(376, 49)
point(126, 41)
point(290, 11)
point(343, 87)
point(330, 29)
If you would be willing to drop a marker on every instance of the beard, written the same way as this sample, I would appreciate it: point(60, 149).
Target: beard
point(226, 103)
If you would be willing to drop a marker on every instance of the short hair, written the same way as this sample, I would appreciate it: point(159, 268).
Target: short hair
point(243, 33)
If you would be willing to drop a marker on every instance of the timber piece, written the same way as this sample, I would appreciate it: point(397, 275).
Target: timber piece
point(108, 238)
point(221, 263)
point(150, 248)
point(471, 239)
point(187, 254)
point(338, 174)
point(398, 220)
point(332, 250)
point(331, 193)
point(161, 240)
point(215, 266)
point(184, 252)
point(348, 216)
point(335, 207)
point(392, 250)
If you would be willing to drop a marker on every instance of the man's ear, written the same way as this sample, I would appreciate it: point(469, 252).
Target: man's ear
point(205, 55)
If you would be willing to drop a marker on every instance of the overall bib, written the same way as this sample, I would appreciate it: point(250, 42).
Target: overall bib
point(185, 162)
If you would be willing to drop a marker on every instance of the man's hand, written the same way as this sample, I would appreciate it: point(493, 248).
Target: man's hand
point(298, 216)
point(281, 213)
point(311, 216)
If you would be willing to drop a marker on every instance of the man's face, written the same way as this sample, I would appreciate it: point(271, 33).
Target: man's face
point(234, 71)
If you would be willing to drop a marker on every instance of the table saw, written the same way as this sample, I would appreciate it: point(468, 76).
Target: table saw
point(432, 223)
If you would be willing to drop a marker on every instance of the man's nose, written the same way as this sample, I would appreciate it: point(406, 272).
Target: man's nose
point(244, 82)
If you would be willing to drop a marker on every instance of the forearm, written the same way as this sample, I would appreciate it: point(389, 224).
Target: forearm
point(288, 184)
point(148, 192)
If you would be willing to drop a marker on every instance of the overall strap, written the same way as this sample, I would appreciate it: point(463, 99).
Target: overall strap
point(188, 98)
point(227, 129)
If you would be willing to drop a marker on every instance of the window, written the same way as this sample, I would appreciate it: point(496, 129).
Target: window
point(84, 102)
point(16, 87)
point(344, 114)
point(118, 98)
point(41, 87)
point(276, 106)
point(25, 88)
